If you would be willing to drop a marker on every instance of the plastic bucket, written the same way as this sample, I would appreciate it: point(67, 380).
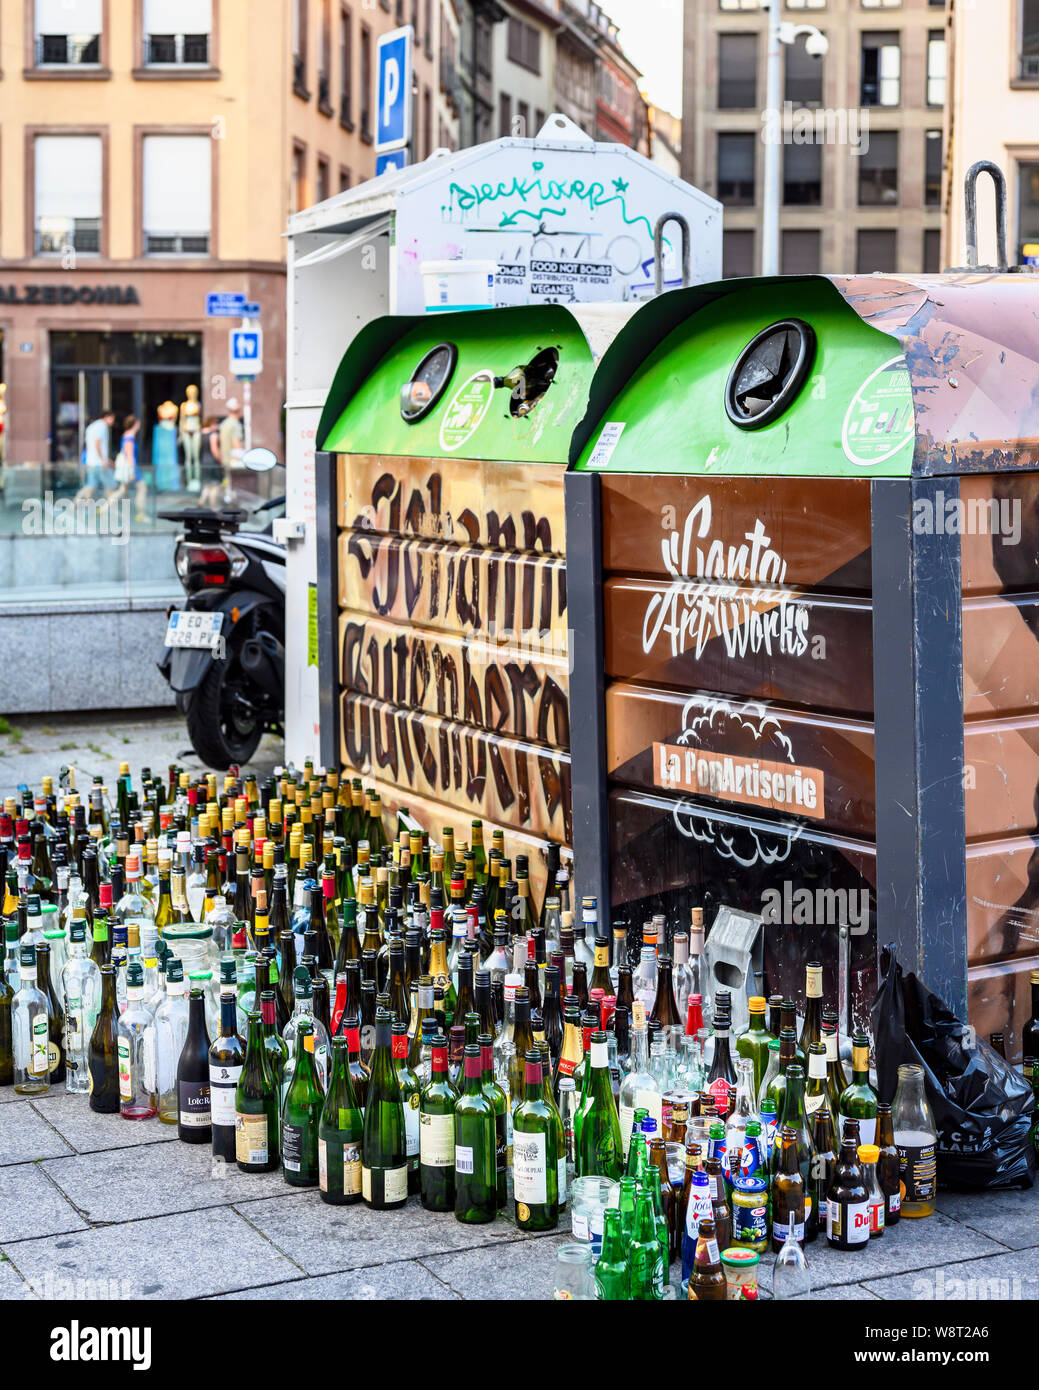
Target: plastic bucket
point(453, 285)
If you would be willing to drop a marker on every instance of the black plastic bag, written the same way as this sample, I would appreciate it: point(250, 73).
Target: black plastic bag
point(982, 1107)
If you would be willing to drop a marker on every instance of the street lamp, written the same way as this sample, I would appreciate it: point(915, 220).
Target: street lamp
point(816, 44)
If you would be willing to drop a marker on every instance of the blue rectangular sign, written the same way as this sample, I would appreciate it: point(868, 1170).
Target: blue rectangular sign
point(224, 306)
point(390, 159)
point(393, 89)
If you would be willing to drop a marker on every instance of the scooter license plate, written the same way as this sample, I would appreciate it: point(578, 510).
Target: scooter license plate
point(187, 629)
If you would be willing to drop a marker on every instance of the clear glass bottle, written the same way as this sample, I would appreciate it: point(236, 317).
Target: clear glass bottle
point(30, 1029)
point(318, 1041)
point(81, 987)
point(222, 920)
point(644, 981)
point(916, 1138)
point(194, 886)
point(639, 1088)
point(136, 1100)
point(681, 975)
point(744, 1109)
point(164, 1042)
point(133, 906)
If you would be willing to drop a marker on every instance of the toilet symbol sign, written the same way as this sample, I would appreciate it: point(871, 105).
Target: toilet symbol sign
point(393, 89)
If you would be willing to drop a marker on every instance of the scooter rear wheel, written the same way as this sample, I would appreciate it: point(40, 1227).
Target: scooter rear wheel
point(219, 734)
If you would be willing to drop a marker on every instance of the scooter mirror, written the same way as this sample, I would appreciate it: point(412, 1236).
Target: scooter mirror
point(260, 460)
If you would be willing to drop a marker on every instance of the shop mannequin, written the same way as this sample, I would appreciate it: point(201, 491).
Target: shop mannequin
point(164, 449)
point(191, 438)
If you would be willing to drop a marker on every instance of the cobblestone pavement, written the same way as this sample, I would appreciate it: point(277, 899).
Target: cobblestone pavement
point(97, 1206)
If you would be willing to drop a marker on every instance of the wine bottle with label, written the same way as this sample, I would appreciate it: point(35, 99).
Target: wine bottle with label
point(195, 1121)
point(30, 1026)
point(301, 1113)
point(226, 1059)
point(384, 1172)
point(137, 1098)
point(475, 1161)
point(257, 1098)
point(534, 1154)
point(340, 1133)
point(437, 1133)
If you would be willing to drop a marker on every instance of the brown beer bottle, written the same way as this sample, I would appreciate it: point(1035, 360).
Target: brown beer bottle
point(847, 1204)
point(707, 1282)
point(887, 1166)
point(788, 1192)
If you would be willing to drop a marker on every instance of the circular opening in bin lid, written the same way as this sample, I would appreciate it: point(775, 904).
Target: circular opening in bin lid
point(419, 395)
point(529, 383)
point(769, 373)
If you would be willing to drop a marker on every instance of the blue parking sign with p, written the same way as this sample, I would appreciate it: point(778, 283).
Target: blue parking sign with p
point(393, 92)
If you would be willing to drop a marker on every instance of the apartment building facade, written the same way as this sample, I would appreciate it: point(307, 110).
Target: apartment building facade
point(862, 130)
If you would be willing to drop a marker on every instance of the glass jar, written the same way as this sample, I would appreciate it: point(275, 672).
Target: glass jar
point(741, 1272)
point(589, 1198)
point(574, 1273)
point(191, 944)
point(916, 1138)
point(750, 1214)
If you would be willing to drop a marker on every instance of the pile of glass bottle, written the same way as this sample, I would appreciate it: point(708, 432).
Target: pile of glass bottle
point(293, 886)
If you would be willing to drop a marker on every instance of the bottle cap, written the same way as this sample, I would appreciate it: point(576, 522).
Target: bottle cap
point(869, 1153)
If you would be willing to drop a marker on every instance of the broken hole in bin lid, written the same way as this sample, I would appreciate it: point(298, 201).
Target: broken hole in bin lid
point(419, 395)
point(530, 382)
point(768, 374)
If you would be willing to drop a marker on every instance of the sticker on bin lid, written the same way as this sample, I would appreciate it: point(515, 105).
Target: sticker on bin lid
point(466, 410)
point(606, 443)
point(880, 420)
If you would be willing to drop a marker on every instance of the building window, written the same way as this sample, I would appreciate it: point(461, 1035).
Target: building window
point(737, 253)
point(427, 123)
point(806, 4)
point(504, 114)
point(932, 251)
point(1027, 207)
point(523, 45)
point(932, 168)
point(345, 179)
point(539, 120)
point(1028, 41)
point(366, 84)
point(68, 33)
point(300, 199)
point(736, 169)
point(739, 4)
point(803, 175)
point(324, 60)
point(803, 80)
point(177, 204)
point(800, 251)
point(737, 71)
point(878, 169)
point(881, 69)
point(935, 68)
point(523, 119)
point(299, 49)
point(427, 29)
point(882, 4)
point(875, 249)
point(324, 186)
point(177, 33)
point(68, 194)
point(346, 68)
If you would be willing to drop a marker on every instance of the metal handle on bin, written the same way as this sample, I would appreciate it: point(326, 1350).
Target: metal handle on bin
point(658, 250)
point(970, 197)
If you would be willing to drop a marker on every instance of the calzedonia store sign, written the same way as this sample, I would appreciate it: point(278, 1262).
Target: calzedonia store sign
point(69, 294)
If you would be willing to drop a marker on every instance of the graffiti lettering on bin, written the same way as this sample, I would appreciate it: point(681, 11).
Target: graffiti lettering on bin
point(506, 781)
point(479, 589)
point(457, 681)
point(707, 597)
point(398, 509)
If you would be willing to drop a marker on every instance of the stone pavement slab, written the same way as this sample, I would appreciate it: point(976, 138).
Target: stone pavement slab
point(1011, 1276)
point(185, 1256)
point(1010, 1216)
point(324, 1239)
point(156, 1180)
point(923, 1243)
point(482, 1273)
point(33, 1206)
point(12, 1285)
point(89, 1132)
point(26, 1135)
point(404, 1280)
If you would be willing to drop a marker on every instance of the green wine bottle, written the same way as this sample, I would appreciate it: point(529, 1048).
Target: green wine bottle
point(496, 1095)
point(859, 1100)
point(645, 1261)
point(535, 1154)
point(437, 1133)
point(598, 1148)
point(384, 1171)
point(256, 1105)
point(476, 1185)
point(274, 1045)
point(611, 1268)
point(103, 1055)
point(410, 1099)
point(301, 1113)
point(340, 1133)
